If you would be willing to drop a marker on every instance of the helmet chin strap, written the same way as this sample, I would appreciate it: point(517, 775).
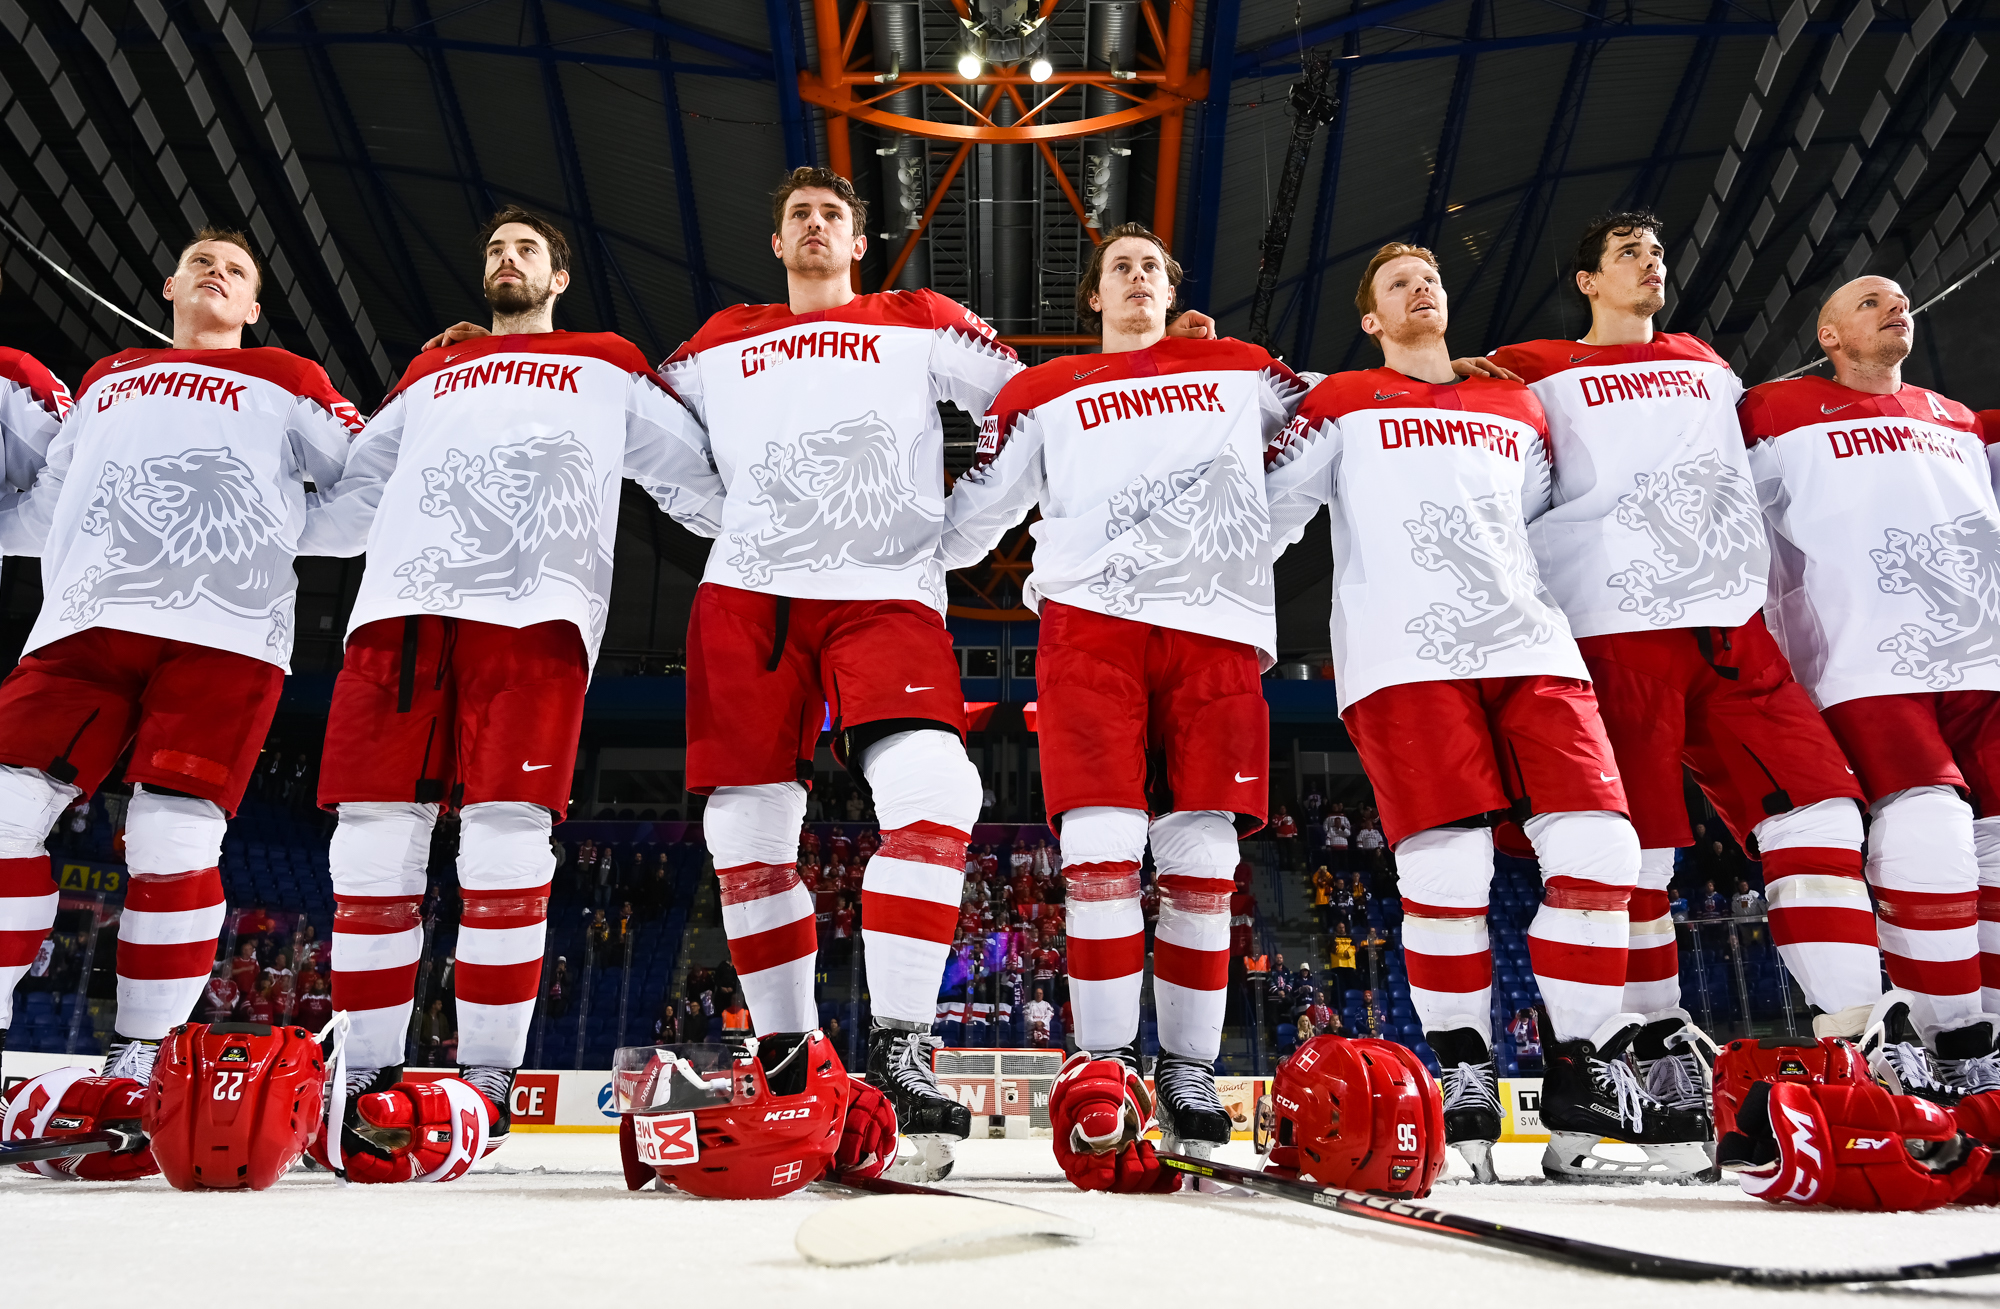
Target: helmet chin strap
point(337, 1027)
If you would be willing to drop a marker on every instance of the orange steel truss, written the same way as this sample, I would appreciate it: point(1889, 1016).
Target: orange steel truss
point(1167, 92)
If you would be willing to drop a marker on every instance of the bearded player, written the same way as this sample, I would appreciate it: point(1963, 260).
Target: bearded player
point(1467, 699)
point(167, 518)
point(1654, 549)
point(1153, 581)
point(1885, 566)
point(485, 491)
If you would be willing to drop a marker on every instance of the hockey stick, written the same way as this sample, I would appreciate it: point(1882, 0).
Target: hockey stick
point(897, 1219)
point(35, 1149)
point(1563, 1249)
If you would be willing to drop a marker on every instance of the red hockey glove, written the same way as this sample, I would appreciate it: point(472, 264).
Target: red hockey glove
point(1100, 1111)
point(415, 1132)
point(1849, 1147)
point(867, 1135)
point(71, 1102)
point(1979, 1118)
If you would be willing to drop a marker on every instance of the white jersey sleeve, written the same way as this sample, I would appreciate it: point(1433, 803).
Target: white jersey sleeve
point(338, 523)
point(1300, 476)
point(1537, 481)
point(666, 452)
point(968, 363)
point(996, 493)
point(33, 404)
point(25, 515)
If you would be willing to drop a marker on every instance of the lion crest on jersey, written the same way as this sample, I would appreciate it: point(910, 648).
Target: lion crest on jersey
point(1186, 537)
point(837, 497)
point(1955, 569)
point(1482, 545)
point(182, 528)
point(520, 514)
point(1707, 534)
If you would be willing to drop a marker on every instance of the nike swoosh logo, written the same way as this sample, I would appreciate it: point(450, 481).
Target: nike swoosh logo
point(534, 768)
point(1100, 368)
point(449, 358)
point(1850, 771)
point(1391, 396)
point(121, 363)
point(1834, 409)
point(1241, 778)
point(912, 690)
point(1606, 777)
point(1577, 359)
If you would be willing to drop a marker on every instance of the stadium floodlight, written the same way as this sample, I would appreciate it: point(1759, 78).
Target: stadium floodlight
point(1040, 70)
point(969, 65)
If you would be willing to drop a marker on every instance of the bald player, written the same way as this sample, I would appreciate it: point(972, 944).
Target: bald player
point(1885, 567)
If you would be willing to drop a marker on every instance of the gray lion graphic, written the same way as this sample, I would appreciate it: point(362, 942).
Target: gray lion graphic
point(1482, 545)
point(182, 528)
point(1707, 535)
point(836, 497)
point(1955, 569)
point(520, 514)
point(1193, 533)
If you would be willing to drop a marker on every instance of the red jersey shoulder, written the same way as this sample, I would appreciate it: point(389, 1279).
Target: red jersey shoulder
point(28, 373)
point(1686, 345)
point(731, 324)
point(302, 377)
point(1384, 388)
point(1534, 360)
point(1921, 402)
point(1989, 425)
point(606, 346)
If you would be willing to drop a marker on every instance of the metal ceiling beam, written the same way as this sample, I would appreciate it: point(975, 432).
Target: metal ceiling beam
point(1644, 192)
point(576, 191)
point(1329, 190)
point(706, 302)
point(785, 68)
point(757, 61)
point(1248, 62)
point(1437, 202)
point(1200, 282)
point(426, 42)
point(457, 132)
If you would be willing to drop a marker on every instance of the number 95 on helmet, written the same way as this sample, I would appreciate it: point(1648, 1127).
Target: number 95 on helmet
point(749, 1124)
point(1363, 1115)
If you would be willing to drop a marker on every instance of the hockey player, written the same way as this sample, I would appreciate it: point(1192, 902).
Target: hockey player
point(1464, 692)
point(1654, 549)
point(32, 405)
point(485, 490)
point(1885, 557)
point(1153, 581)
point(167, 518)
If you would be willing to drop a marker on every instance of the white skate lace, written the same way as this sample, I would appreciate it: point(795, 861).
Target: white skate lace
point(1912, 1065)
point(1471, 1086)
point(1673, 1080)
point(1187, 1084)
point(134, 1059)
point(1979, 1073)
point(489, 1082)
point(910, 1063)
point(1617, 1076)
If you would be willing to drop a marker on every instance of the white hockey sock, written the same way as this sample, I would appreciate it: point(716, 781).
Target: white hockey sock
point(377, 861)
point(1922, 864)
point(1101, 852)
point(1652, 960)
point(1577, 942)
point(1445, 876)
point(1821, 920)
point(753, 836)
point(504, 868)
point(173, 910)
point(30, 802)
point(926, 798)
point(1195, 854)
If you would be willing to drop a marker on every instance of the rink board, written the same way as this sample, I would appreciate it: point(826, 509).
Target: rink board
point(1006, 1090)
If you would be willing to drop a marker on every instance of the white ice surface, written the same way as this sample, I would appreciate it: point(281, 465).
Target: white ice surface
point(548, 1221)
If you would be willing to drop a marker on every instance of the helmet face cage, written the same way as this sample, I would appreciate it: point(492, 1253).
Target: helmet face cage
point(1361, 1114)
point(663, 1078)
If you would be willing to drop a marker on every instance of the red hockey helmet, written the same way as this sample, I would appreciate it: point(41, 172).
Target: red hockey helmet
point(730, 1125)
point(1363, 1114)
point(233, 1105)
point(1742, 1064)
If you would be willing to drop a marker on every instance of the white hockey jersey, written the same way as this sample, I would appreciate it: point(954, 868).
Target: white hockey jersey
point(1149, 470)
point(32, 405)
point(1885, 538)
point(1431, 489)
point(1654, 522)
point(825, 430)
point(174, 501)
point(486, 487)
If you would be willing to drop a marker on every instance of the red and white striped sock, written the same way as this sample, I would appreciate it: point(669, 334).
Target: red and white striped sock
point(1925, 873)
point(1445, 876)
point(1821, 920)
point(504, 868)
point(909, 911)
point(1986, 844)
point(166, 948)
point(378, 858)
point(1195, 853)
point(27, 910)
point(1101, 852)
point(1652, 960)
point(767, 913)
point(1577, 942)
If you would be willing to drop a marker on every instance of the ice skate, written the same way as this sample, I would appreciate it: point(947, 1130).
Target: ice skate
point(359, 1082)
point(1897, 1055)
point(126, 1056)
point(1471, 1097)
point(1191, 1116)
point(1676, 1063)
point(1591, 1094)
point(1967, 1058)
point(899, 1063)
point(497, 1085)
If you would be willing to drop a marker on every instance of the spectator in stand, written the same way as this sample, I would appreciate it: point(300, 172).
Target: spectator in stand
point(653, 894)
point(735, 1021)
point(283, 980)
point(558, 997)
point(1314, 805)
point(1746, 903)
point(1322, 897)
point(1285, 830)
point(1242, 914)
point(1346, 965)
point(607, 878)
point(431, 1033)
point(843, 929)
point(599, 934)
point(971, 863)
point(1303, 1021)
point(834, 1034)
point(255, 925)
point(1040, 1014)
point(1368, 846)
point(1339, 835)
point(262, 1006)
point(76, 828)
point(1527, 1034)
point(315, 1006)
point(667, 1027)
point(1708, 902)
point(1043, 863)
point(622, 929)
point(243, 969)
point(219, 997)
point(1677, 905)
